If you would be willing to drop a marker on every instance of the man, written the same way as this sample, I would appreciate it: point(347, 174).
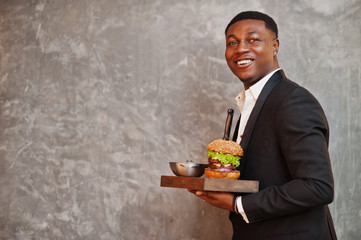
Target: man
point(284, 134)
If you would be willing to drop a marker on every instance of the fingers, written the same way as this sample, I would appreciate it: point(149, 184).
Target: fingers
point(199, 193)
point(219, 199)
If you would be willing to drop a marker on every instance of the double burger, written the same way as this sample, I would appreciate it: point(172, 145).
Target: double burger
point(223, 159)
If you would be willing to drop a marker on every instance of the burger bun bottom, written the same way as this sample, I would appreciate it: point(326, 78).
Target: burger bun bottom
point(219, 174)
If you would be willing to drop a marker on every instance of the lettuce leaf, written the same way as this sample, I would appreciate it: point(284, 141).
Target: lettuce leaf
point(224, 158)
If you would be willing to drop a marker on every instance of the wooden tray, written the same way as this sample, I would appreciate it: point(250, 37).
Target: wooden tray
point(210, 184)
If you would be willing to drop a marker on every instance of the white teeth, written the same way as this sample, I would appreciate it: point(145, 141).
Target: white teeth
point(244, 61)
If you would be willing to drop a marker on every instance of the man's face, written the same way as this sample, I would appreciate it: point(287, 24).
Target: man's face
point(251, 50)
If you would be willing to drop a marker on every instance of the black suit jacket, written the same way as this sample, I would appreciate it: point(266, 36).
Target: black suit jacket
point(285, 145)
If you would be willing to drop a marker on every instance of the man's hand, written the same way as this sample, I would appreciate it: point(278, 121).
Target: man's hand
point(219, 199)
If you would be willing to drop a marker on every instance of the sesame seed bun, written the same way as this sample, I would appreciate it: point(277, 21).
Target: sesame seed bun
point(226, 147)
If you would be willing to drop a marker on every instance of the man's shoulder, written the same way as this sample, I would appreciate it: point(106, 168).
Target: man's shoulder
point(287, 83)
point(287, 86)
point(290, 93)
point(280, 80)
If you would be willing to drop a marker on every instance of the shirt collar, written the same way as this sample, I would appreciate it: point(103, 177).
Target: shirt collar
point(254, 90)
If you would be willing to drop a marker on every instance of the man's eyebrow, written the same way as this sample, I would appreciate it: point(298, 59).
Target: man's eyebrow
point(249, 33)
point(232, 35)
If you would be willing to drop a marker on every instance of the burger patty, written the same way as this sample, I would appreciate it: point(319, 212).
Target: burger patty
point(216, 164)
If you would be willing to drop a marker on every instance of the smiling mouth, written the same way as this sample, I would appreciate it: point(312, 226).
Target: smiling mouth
point(244, 62)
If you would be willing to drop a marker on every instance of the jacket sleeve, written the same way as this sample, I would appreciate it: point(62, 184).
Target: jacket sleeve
point(302, 137)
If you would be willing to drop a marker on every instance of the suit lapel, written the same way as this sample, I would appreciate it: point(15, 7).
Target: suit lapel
point(271, 83)
point(235, 133)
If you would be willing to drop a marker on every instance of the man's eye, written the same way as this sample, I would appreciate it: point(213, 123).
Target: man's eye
point(254, 40)
point(233, 43)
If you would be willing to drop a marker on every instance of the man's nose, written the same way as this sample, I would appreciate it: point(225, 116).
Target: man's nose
point(243, 46)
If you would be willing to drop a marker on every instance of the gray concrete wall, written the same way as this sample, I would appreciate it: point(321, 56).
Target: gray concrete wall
point(96, 97)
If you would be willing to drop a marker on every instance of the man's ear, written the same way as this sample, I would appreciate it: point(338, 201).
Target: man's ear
point(276, 44)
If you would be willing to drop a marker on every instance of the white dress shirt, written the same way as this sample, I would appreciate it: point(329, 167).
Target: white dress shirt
point(246, 101)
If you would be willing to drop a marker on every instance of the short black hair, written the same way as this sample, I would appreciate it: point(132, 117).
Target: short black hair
point(270, 23)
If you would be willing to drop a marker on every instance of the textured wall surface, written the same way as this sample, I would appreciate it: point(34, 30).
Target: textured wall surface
point(96, 97)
